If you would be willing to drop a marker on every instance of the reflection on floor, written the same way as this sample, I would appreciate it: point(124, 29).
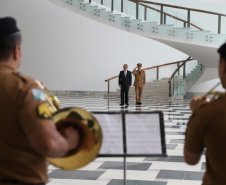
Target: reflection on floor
point(141, 170)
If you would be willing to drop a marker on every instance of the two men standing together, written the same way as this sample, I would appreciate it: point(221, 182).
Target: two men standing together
point(125, 82)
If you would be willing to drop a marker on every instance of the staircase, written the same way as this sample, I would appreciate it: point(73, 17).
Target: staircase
point(158, 89)
point(186, 39)
point(189, 40)
point(153, 29)
point(182, 85)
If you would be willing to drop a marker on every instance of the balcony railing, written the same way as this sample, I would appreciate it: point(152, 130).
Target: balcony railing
point(163, 15)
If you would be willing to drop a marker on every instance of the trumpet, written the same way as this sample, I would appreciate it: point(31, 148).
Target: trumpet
point(215, 94)
point(88, 128)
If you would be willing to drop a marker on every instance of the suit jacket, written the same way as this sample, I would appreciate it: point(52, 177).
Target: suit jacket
point(125, 81)
point(140, 78)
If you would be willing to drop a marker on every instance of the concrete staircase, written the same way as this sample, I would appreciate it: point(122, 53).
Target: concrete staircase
point(158, 89)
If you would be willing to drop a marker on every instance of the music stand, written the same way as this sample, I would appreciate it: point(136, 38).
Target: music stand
point(132, 134)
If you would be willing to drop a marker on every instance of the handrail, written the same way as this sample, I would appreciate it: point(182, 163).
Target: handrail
point(149, 68)
point(165, 64)
point(111, 78)
point(184, 8)
point(169, 15)
point(139, 2)
point(188, 22)
point(183, 64)
point(157, 74)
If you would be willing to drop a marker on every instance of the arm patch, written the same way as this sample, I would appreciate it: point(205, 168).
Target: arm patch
point(43, 111)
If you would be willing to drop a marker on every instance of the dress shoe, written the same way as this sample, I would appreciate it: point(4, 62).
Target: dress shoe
point(121, 104)
point(127, 104)
point(140, 103)
point(137, 103)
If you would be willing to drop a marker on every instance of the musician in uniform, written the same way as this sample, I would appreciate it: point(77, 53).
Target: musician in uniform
point(27, 135)
point(139, 83)
point(207, 129)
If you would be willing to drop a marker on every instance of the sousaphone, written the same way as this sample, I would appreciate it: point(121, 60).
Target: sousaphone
point(88, 128)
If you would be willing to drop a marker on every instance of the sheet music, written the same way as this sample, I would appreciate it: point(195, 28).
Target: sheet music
point(111, 125)
point(143, 134)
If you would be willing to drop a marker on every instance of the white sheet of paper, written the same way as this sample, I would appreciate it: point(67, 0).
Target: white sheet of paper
point(111, 125)
point(143, 134)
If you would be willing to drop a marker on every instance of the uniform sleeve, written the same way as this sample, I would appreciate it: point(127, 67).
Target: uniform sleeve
point(31, 98)
point(193, 139)
point(144, 78)
point(134, 72)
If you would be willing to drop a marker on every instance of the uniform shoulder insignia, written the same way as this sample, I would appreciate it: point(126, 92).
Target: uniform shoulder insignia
point(38, 94)
point(43, 111)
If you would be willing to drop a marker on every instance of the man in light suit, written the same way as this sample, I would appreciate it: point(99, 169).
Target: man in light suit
point(125, 82)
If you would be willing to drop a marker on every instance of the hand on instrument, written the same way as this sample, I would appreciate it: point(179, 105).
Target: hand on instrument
point(71, 135)
point(120, 86)
point(129, 86)
point(196, 102)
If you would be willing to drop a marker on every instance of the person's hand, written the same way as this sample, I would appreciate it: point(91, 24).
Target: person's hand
point(71, 135)
point(129, 86)
point(120, 86)
point(196, 102)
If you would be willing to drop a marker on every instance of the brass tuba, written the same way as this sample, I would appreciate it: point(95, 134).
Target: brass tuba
point(88, 128)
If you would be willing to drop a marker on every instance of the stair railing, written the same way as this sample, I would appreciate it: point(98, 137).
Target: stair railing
point(189, 10)
point(177, 71)
point(163, 15)
point(153, 67)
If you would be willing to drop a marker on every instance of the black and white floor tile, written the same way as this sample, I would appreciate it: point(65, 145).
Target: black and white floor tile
point(171, 170)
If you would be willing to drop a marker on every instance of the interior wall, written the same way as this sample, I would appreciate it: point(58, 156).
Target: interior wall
point(207, 81)
point(67, 51)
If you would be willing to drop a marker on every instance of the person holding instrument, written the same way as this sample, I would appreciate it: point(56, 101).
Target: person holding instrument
point(139, 83)
point(207, 129)
point(27, 136)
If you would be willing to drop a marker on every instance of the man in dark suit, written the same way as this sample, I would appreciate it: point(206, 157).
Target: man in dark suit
point(125, 82)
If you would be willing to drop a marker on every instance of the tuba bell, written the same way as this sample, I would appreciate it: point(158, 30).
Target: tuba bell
point(88, 128)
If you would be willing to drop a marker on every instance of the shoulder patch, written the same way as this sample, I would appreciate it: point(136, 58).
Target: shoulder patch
point(43, 111)
point(38, 94)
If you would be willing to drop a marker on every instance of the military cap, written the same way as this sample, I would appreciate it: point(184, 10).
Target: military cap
point(8, 27)
point(139, 64)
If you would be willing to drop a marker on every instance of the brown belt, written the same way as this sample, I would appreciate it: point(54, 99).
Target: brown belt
point(15, 181)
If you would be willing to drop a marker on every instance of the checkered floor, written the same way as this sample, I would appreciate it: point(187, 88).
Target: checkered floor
point(141, 170)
